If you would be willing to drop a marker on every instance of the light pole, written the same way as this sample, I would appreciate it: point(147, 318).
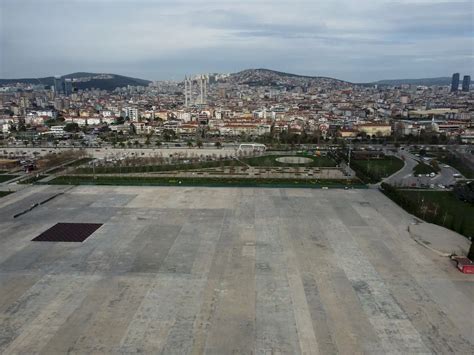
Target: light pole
point(349, 158)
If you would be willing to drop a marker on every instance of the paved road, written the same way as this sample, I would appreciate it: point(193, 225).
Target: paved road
point(109, 152)
point(405, 176)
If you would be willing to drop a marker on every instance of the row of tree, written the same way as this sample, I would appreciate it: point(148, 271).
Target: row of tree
point(426, 210)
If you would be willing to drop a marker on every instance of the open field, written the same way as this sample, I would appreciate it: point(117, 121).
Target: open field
point(225, 270)
point(374, 170)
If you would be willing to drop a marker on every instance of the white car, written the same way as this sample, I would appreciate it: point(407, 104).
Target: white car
point(432, 175)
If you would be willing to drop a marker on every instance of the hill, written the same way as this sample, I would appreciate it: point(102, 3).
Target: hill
point(267, 77)
point(423, 81)
point(83, 81)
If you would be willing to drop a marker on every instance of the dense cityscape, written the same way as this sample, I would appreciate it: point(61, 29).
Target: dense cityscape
point(253, 105)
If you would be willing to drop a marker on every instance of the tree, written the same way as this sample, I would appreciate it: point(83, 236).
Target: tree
point(199, 144)
point(168, 134)
point(435, 165)
point(158, 143)
point(190, 144)
point(218, 145)
point(71, 127)
point(470, 255)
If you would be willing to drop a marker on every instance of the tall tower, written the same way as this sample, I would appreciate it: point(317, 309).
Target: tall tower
point(185, 91)
point(188, 91)
point(58, 85)
point(455, 82)
point(201, 82)
point(466, 83)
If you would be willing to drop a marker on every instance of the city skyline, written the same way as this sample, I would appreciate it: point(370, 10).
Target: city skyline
point(159, 40)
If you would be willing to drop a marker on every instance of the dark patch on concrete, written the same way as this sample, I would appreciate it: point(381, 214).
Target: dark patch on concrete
point(68, 232)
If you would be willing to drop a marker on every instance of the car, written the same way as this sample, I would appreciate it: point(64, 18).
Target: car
point(441, 186)
point(427, 175)
point(446, 166)
point(432, 175)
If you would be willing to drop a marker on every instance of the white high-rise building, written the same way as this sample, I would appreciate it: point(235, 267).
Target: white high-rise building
point(131, 113)
point(188, 91)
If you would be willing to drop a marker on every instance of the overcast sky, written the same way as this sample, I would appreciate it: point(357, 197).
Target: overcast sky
point(355, 40)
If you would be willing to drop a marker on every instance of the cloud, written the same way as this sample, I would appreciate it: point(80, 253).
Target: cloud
point(354, 40)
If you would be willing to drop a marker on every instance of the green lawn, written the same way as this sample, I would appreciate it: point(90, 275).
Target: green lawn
point(5, 177)
point(4, 193)
point(423, 169)
point(32, 179)
point(71, 164)
point(439, 207)
point(374, 170)
point(270, 160)
point(199, 181)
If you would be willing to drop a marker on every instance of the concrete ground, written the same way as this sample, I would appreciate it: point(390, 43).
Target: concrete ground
point(439, 239)
point(225, 271)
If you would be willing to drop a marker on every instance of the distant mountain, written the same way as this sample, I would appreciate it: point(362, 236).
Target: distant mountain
point(422, 82)
point(82, 81)
point(267, 77)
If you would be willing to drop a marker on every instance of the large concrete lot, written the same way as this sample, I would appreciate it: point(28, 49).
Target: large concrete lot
point(225, 271)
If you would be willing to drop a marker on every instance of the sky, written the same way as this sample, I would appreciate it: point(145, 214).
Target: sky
point(354, 40)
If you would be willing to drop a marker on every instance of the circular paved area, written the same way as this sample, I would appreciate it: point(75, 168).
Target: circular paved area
point(293, 160)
